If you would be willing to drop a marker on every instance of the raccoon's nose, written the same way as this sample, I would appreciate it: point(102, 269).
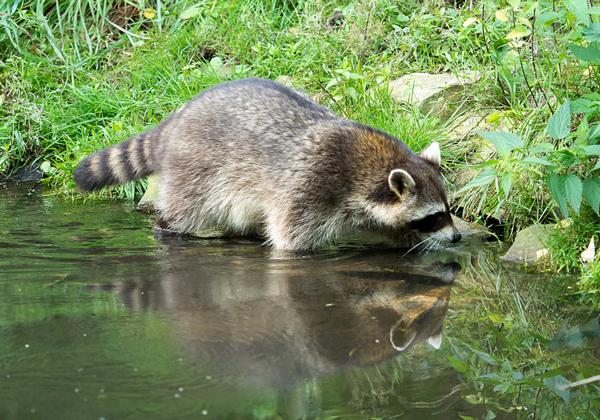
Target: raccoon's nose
point(456, 236)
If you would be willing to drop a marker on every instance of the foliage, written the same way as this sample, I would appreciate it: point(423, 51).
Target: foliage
point(532, 45)
point(563, 160)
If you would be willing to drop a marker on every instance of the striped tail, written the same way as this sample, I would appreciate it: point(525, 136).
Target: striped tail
point(132, 159)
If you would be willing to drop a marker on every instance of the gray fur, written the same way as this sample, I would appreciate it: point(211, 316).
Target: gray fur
point(253, 156)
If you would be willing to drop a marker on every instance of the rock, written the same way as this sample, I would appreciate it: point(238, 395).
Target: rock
point(471, 122)
point(439, 94)
point(147, 203)
point(31, 173)
point(467, 125)
point(471, 230)
point(529, 245)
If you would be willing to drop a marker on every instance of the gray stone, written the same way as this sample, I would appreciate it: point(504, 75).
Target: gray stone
point(467, 125)
point(147, 203)
point(439, 94)
point(32, 173)
point(529, 246)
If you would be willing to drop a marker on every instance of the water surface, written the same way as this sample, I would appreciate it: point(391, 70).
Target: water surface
point(100, 318)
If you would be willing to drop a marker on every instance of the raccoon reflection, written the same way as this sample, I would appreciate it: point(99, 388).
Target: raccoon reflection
point(274, 322)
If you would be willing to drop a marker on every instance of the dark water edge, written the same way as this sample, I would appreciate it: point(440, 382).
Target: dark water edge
point(99, 318)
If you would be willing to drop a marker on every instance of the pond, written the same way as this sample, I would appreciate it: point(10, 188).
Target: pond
point(102, 318)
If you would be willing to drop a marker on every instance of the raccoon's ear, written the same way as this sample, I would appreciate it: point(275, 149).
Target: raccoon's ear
point(400, 181)
point(400, 339)
point(432, 153)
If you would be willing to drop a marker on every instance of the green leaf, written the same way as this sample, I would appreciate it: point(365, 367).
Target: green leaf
point(46, 167)
point(542, 148)
point(592, 32)
point(484, 177)
point(504, 141)
point(485, 357)
point(547, 18)
point(492, 376)
point(538, 161)
point(597, 166)
point(458, 364)
point(591, 53)
point(557, 188)
point(593, 150)
point(190, 12)
point(557, 385)
point(581, 106)
point(573, 191)
point(559, 124)
point(495, 318)
point(402, 18)
point(506, 183)
point(501, 388)
point(518, 32)
point(580, 9)
point(591, 193)
point(594, 133)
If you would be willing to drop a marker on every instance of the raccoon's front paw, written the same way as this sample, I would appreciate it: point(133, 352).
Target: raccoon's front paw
point(163, 228)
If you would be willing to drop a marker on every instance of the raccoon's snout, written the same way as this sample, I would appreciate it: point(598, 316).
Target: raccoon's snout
point(448, 234)
point(456, 236)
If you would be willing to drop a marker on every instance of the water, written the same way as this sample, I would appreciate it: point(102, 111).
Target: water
point(100, 318)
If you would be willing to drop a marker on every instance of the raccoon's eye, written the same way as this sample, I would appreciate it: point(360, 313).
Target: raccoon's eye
point(431, 223)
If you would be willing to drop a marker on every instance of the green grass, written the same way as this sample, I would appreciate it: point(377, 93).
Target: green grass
point(57, 114)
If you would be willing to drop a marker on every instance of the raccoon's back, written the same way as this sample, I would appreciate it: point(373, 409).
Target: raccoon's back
point(252, 117)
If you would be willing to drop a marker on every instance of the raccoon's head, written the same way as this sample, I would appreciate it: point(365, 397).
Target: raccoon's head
point(414, 203)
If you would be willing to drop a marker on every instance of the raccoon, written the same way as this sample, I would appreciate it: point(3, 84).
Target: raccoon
point(255, 157)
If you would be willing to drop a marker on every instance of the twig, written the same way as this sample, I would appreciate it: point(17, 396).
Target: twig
point(533, 56)
point(582, 382)
point(366, 34)
point(533, 45)
point(537, 393)
point(324, 89)
point(485, 41)
point(527, 82)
